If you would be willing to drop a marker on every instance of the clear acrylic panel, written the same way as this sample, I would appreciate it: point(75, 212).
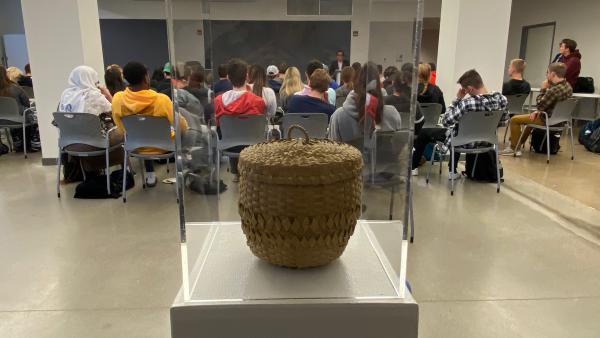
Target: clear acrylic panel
point(374, 112)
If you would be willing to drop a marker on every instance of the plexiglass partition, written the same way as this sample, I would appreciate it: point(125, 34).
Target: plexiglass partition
point(370, 49)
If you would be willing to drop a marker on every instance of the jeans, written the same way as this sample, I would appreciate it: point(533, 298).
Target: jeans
point(426, 136)
point(149, 166)
point(515, 128)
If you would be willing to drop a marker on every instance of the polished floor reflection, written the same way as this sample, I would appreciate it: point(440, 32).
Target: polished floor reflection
point(482, 265)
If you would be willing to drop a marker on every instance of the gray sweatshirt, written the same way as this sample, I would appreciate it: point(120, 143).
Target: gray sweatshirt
point(344, 125)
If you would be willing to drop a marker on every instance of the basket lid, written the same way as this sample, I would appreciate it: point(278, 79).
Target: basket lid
point(302, 161)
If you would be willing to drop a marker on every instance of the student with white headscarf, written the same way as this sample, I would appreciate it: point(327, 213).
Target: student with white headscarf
point(85, 95)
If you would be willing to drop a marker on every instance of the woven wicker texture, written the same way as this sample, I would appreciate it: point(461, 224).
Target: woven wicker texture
point(299, 200)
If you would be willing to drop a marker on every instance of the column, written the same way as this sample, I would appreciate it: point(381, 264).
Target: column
point(473, 34)
point(360, 23)
point(61, 35)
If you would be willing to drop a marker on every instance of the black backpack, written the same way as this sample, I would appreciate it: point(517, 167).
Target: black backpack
point(584, 85)
point(485, 170)
point(94, 187)
point(538, 141)
point(589, 136)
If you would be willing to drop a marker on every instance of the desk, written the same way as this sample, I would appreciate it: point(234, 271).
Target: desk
point(581, 112)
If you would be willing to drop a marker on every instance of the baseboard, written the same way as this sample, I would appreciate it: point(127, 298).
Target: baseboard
point(49, 161)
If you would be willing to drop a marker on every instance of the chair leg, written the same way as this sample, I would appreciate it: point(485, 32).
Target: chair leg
point(58, 173)
point(143, 170)
point(82, 170)
point(474, 165)
point(24, 140)
point(168, 162)
point(497, 169)
point(177, 179)
point(218, 174)
point(9, 140)
point(391, 212)
point(518, 144)
point(430, 163)
point(452, 169)
point(506, 131)
point(548, 145)
point(412, 217)
point(107, 171)
point(572, 144)
point(125, 165)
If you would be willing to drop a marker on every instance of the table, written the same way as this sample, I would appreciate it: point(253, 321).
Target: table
point(584, 97)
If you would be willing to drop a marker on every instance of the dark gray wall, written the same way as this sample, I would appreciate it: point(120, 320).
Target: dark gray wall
point(125, 40)
point(273, 42)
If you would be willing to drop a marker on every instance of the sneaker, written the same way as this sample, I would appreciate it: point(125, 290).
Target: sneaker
point(151, 181)
point(415, 172)
point(507, 151)
point(518, 153)
point(454, 175)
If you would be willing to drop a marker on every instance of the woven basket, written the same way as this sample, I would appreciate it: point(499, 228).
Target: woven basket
point(299, 199)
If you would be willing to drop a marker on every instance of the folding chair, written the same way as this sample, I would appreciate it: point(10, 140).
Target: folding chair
point(11, 119)
point(315, 124)
point(515, 107)
point(432, 113)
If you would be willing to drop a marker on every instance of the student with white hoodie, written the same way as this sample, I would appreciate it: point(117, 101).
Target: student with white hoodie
point(365, 101)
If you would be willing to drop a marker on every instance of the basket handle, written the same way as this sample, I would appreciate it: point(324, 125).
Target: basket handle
point(299, 127)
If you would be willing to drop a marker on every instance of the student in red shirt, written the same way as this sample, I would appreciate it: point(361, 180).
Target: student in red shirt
point(238, 101)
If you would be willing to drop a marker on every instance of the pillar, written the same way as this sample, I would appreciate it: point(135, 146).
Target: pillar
point(473, 34)
point(61, 35)
point(360, 23)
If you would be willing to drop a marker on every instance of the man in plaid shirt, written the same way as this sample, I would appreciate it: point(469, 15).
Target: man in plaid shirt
point(554, 89)
point(472, 96)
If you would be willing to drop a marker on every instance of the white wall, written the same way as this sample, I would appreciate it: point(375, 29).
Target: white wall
point(473, 34)
point(48, 24)
point(577, 20)
point(391, 43)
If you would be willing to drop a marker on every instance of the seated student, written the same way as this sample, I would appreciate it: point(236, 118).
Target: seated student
point(157, 77)
point(283, 67)
point(257, 80)
point(400, 98)
point(314, 102)
point(185, 99)
point(85, 96)
point(554, 89)
point(292, 83)
point(472, 96)
point(388, 75)
point(113, 77)
point(429, 93)
point(346, 79)
point(164, 85)
point(238, 101)
point(139, 99)
point(223, 84)
point(274, 80)
point(310, 68)
point(195, 75)
point(10, 89)
point(364, 102)
point(25, 79)
point(516, 84)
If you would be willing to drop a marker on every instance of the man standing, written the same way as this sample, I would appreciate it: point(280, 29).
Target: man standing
point(335, 69)
point(554, 89)
point(516, 84)
point(571, 57)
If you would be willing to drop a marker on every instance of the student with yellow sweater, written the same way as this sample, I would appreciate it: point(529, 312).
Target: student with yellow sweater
point(139, 99)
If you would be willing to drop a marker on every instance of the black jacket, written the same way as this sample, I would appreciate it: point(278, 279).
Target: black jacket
point(334, 66)
point(433, 94)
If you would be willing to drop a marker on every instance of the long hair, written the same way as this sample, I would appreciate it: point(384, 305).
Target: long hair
point(113, 77)
point(5, 83)
point(14, 74)
point(257, 76)
point(347, 76)
point(424, 75)
point(292, 82)
point(368, 77)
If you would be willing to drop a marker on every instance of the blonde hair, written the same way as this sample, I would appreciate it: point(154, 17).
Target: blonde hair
point(292, 82)
point(14, 73)
point(518, 65)
point(347, 76)
point(424, 75)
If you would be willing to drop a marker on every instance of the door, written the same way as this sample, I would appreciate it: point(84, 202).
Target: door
point(537, 44)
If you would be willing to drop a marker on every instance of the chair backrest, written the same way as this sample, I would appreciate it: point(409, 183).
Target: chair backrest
point(147, 131)
point(241, 130)
point(431, 112)
point(563, 111)
point(29, 91)
point(390, 151)
point(478, 126)
point(81, 128)
point(9, 110)
point(314, 123)
point(515, 103)
point(339, 101)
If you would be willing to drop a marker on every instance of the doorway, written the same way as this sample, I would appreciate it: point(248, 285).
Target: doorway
point(537, 43)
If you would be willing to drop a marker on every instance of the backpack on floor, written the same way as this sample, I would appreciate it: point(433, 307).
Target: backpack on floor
point(116, 177)
point(592, 141)
point(587, 130)
point(538, 141)
point(3, 148)
point(485, 169)
point(94, 187)
point(71, 169)
point(429, 152)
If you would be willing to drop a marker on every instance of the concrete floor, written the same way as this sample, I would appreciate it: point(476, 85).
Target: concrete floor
point(483, 264)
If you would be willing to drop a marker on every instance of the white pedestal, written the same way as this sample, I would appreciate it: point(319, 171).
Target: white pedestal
point(234, 294)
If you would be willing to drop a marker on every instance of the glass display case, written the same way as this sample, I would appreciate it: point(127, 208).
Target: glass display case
point(374, 111)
